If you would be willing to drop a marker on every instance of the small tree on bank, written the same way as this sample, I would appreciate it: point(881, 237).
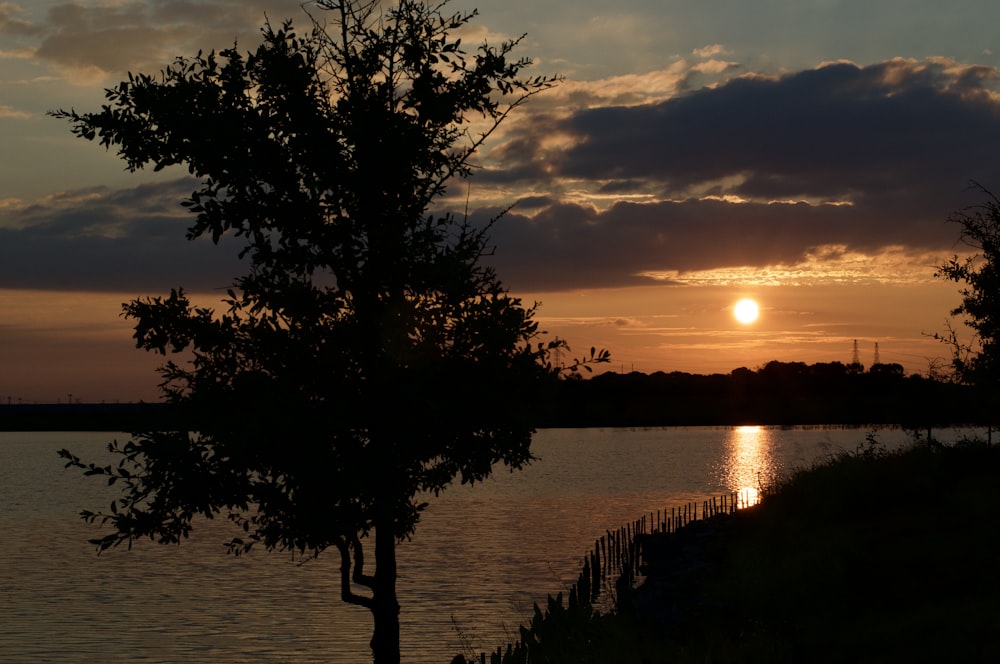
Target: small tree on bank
point(977, 361)
point(367, 355)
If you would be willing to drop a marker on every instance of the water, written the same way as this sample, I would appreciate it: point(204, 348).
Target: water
point(480, 558)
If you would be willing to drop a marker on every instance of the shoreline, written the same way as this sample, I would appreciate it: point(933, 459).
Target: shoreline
point(145, 416)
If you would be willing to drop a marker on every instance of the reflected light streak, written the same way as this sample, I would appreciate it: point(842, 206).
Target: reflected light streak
point(749, 459)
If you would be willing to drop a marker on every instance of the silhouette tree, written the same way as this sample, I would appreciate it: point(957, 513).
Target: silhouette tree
point(367, 356)
point(977, 361)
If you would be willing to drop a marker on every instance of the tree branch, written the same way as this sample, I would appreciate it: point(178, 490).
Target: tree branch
point(346, 594)
point(359, 575)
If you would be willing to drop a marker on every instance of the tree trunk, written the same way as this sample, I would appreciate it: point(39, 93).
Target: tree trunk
point(385, 610)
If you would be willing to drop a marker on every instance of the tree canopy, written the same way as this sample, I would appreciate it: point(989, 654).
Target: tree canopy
point(367, 355)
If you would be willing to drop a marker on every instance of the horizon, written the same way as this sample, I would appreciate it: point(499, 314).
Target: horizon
point(806, 157)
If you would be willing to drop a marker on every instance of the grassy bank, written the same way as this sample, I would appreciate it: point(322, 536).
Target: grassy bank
point(873, 556)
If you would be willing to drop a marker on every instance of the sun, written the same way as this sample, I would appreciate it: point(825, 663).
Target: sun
point(746, 311)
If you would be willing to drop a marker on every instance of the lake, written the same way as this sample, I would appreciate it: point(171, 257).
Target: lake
point(481, 556)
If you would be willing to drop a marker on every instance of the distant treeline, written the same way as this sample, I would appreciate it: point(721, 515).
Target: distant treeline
point(777, 393)
point(85, 417)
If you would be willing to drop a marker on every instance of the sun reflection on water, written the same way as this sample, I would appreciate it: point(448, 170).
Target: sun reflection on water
point(749, 462)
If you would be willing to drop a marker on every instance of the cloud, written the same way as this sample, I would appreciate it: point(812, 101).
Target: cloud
point(634, 89)
point(830, 132)
point(11, 22)
point(808, 173)
point(756, 171)
point(11, 112)
point(709, 51)
point(97, 41)
point(567, 246)
point(103, 240)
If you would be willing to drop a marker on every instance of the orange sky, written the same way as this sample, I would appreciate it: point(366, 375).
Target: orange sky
point(76, 343)
point(693, 330)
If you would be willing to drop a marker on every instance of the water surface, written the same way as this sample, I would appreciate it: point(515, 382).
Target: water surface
point(480, 558)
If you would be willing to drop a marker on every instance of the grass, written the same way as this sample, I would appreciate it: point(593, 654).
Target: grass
point(873, 556)
point(876, 556)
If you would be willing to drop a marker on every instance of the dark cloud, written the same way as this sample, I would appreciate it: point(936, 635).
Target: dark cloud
point(622, 187)
point(98, 240)
point(572, 246)
point(899, 141)
point(534, 202)
point(833, 132)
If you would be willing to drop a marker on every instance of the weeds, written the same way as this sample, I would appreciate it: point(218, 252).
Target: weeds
point(872, 448)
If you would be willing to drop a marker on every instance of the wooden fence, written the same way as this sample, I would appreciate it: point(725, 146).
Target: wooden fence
point(616, 560)
point(617, 555)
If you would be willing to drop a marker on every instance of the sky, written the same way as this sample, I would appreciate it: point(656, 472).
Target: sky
point(803, 153)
